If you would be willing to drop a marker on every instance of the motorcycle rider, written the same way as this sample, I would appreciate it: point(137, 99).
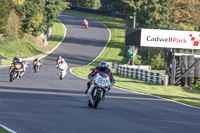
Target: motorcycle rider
point(58, 60)
point(22, 63)
point(85, 23)
point(37, 59)
point(16, 58)
point(62, 61)
point(103, 67)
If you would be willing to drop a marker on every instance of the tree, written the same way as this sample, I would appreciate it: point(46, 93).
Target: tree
point(38, 15)
point(184, 15)
point(4, 15)
point(13, 26)
point(93, 4)
point(116, 5)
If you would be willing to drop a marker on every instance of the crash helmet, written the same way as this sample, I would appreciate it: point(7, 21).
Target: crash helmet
point(62, 60)
point(16, 56)
point(103, 66)
point(60, 57)
point(37, 58)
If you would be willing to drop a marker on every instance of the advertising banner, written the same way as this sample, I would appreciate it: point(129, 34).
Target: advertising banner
point(170, 39)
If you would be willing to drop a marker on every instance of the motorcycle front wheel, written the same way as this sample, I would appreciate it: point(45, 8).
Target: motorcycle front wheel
point(97, 98)
point(89, 103)
point(61, 77)
point(12, 76)
point(35, 69)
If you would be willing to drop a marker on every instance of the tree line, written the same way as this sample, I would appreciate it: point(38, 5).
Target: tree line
point(159, 14)
point(28, 16)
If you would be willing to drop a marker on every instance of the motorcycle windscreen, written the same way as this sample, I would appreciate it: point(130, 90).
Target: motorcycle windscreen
point(102, 74)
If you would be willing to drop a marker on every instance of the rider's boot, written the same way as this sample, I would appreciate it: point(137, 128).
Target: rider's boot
point(88, 86)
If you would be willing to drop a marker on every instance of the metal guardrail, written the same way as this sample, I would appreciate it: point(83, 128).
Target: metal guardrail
point(140, 74)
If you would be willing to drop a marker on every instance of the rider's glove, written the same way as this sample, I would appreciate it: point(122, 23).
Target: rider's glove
point(89, 76)
point(112, 82)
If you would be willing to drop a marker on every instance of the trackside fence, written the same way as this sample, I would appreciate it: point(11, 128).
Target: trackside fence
point(140, 74)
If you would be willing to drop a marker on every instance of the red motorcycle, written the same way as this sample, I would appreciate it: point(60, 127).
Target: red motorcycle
point(85, 23)
point(16, 71)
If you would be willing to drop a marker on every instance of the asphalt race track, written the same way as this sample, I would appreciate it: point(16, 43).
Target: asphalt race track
point(41, 103)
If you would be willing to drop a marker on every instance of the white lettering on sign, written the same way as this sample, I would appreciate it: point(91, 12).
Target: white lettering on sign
point(170, 39)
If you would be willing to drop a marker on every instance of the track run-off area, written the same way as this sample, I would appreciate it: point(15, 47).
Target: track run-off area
point(41, 103)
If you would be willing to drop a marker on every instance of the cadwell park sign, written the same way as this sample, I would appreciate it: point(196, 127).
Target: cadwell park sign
point(170, 39)
point(163, 38)
point(182, 69)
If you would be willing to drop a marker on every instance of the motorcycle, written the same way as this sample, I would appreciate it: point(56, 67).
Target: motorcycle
point(98, 89)
point(86, 25)
point(36, 66)
point(62, 70)
point(15, 72)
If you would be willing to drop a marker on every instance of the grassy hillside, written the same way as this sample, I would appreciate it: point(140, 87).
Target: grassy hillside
point(30, 46)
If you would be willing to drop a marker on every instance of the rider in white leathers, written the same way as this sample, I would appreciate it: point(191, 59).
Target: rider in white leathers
point(62, 62)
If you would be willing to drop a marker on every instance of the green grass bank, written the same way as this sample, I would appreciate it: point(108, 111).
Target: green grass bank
point(116, 52)
point(30, 46)
point(2, 130)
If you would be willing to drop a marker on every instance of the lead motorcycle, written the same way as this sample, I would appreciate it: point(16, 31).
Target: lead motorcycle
point(62, 70)
point(98, 89)
point(16, 70)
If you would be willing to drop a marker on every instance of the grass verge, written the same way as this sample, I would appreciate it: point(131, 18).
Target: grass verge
point(30, 46)
point(2, 130)
point(116, 52)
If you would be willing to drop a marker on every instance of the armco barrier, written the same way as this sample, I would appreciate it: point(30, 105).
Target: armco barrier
point(140, 74)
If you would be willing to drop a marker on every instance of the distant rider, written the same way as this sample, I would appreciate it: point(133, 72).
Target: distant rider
point(22, 63)
point(37, 60)
point(85, 23)
point(62, 61)
point(103, 67)
point(58, 60)
point(16, 58)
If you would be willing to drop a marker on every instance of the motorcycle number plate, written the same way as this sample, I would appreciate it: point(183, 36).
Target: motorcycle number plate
point(101, 81)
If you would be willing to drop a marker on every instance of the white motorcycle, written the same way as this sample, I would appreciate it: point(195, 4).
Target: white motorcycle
point(98, 89)
point(62, 70)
